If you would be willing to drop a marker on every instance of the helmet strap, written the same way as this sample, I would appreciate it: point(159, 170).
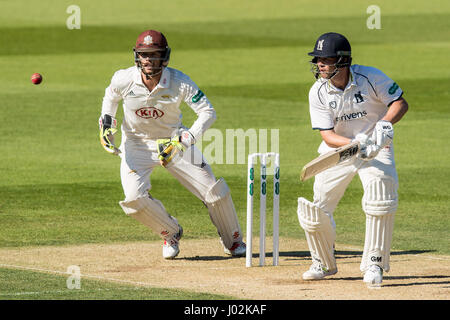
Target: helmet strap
point(316, 73)
point(148, 76)
point(338, 65)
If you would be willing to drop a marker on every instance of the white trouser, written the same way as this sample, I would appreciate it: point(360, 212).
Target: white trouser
point(380, 182)
point(139, 160)
point(193, 172)
point(330, 185)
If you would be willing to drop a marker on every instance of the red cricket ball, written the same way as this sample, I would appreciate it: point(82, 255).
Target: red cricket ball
point(36, 78)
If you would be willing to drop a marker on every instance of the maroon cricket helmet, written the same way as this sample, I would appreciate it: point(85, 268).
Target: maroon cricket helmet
point(151, 41)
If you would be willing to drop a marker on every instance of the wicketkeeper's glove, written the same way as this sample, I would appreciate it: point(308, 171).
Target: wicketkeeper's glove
point(108, 125)
point(168, 148)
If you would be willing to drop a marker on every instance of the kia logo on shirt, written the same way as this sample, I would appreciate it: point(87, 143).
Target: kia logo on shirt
point(149, 113)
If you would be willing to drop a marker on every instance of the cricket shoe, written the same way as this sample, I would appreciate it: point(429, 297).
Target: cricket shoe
point(373, 276)
point(171, 246)
point(318, 271)
point(237, 250)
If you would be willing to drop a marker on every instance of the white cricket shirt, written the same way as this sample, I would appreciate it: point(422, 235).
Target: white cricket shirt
point(156, 114)
point(356, 109)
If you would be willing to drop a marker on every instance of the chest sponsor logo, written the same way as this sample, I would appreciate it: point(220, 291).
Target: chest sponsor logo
point(149, 113)
point(351, 116)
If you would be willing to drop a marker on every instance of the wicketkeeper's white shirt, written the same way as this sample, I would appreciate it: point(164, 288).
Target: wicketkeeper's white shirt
point(356, 109)
point(156, 114)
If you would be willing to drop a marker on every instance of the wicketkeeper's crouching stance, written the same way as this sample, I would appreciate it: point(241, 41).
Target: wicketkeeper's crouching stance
point(153, 135)
point(352, 103)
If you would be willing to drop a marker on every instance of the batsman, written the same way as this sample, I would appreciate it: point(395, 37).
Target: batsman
point(350, 103)
point(153, 136)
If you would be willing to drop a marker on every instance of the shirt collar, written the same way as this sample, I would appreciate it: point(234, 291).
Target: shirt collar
point(165, 78)
point(351, 83)
point(163, 82)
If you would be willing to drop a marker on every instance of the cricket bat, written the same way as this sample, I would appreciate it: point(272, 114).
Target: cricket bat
point(329, 160)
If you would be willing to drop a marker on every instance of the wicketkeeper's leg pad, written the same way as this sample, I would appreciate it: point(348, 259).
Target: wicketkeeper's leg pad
point(379, 202)
point(319, 231)
point(223, 214)
point(151, 213)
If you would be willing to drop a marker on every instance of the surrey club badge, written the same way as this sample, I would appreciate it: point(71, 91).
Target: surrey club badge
point(148, 40)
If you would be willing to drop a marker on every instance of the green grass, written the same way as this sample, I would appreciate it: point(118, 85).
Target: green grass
point(30, 285)
point(58, 186)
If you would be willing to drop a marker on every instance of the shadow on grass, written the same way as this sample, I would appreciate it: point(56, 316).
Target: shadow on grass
point(345, 254)
point(400, 278)
point(417, 283)
point(304, 254)
point(207, 258)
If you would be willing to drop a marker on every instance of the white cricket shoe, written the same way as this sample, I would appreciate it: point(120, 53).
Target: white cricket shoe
point(237, 250)
point(373, 276)
point(170, 247)
point(318, 271)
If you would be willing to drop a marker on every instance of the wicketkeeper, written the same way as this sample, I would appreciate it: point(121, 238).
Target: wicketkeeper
point(153, 135)
point(352, 102)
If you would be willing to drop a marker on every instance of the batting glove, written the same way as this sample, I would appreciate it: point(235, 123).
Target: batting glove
point(368, 150)
point(383, 133)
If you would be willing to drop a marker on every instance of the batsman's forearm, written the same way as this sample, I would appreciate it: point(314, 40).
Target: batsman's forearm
point(396, 111)
point(333, 140)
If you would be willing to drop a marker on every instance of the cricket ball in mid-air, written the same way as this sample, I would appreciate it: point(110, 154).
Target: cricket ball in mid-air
point(36, 78)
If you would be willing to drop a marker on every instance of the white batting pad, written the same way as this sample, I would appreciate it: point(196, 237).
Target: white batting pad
point(379, 204)
point(380, 196)
point(152, 214)
point(319, 232)
point(377, 245)
point(223, 214)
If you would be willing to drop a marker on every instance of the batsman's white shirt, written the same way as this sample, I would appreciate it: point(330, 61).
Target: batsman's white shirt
point(156, 114)
point(357, 108)
point(348, 112)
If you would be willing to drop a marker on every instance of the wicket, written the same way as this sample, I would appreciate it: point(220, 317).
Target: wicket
point(276, 206)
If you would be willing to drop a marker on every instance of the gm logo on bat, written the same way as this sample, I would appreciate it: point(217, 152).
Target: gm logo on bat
point(149, 113)
point(347, 154)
